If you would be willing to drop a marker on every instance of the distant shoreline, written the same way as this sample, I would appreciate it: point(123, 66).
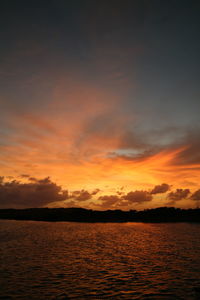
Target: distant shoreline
point(157, 215)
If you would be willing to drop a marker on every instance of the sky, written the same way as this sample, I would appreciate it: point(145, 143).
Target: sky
point(99, 104)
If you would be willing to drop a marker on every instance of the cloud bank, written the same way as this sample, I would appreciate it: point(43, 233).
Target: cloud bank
point(15, 194)
point(45, 193)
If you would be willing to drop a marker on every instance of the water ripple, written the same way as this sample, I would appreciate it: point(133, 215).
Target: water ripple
point(41, 260)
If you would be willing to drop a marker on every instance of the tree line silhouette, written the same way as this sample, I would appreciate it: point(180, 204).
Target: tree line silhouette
point(161, 214)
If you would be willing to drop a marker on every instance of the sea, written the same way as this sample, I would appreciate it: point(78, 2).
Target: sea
point(63, 260)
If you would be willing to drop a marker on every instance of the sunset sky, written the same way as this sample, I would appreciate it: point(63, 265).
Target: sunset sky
point(102, 97)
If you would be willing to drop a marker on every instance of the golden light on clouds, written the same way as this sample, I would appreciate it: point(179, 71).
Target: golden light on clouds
point(82, 139)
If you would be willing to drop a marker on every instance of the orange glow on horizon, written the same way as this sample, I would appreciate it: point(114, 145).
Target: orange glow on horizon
point(71, 142)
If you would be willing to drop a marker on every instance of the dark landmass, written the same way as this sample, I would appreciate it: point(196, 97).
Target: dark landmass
point(158, 215)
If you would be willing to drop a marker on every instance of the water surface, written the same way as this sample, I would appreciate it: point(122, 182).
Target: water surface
point(43, 260)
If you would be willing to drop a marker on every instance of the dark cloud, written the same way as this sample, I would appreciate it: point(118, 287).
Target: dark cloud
point(33, 179)
point(196, 195)
point(24, 175)
point(109, 202)
point(116, 201)
point(35, 194)
point(138, 196)
point(109, 199)
point(96, 191)
point(30, 178)
point(81, 195)
point(120, 193)
point(160, 189)
point(179, 194)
